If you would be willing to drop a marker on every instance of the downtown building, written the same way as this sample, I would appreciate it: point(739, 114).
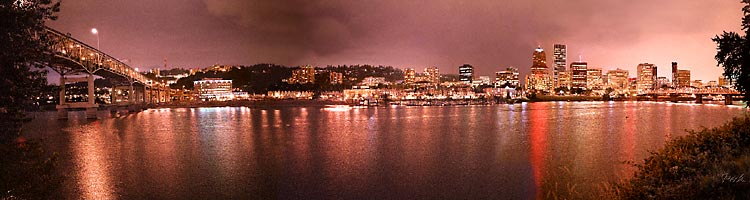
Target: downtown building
point(646, 77)
point(507, 78)
point(594, 79)
point(579, 72)
point(683, 78)
point(539, 79)
point(466, 73)
point(560, 58)
point(565, 79)
point(617, 79)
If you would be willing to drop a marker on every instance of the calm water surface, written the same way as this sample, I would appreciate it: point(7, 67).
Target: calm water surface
point(521, 151)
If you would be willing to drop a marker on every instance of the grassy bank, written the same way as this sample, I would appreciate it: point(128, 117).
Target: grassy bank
point(706, 164)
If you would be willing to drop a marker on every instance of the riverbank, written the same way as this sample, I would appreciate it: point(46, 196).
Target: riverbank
point(706, 164)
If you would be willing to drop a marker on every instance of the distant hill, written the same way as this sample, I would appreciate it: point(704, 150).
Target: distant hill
point(261, 78)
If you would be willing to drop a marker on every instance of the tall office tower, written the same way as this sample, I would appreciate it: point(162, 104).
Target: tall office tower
point(646, 77)
point(466, 73)
point(674, 74)
point(580, 71)
point(539, 78)
point(539, 62)
point(560, 53)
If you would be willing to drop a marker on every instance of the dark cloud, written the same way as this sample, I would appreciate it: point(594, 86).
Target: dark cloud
point(489, 34)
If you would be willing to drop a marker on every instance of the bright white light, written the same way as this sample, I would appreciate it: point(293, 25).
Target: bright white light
point(94, 31)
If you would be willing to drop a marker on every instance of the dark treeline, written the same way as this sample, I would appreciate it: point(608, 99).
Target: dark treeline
point(261, 78)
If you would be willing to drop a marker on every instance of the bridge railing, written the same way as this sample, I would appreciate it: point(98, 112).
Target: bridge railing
point(91, 59)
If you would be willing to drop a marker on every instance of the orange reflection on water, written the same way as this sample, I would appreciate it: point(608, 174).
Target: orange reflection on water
point(91, 159)
point(538, 141)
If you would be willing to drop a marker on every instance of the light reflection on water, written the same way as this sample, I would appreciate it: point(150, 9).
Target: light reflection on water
point(519, 151)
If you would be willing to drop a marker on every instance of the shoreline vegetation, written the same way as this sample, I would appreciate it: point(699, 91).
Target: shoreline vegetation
point(706, 164)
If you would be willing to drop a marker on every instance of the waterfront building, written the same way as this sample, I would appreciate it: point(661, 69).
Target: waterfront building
point(466, 73)
point(410, 76)
point(303, 75)
point(181, 95)
point(290, 94)
point(618, 79)
point(646, 77)
point(560, 53)
point(213, 89)
point(508, 77)
point(579, 71)
point(565, 79)
point(336, 78)
point(594, 79)
point(432, 75)
point(373, 81)
point(683, 78)
point(712, 84)
point(661, 82)
point(723, 82)
point(696, 84)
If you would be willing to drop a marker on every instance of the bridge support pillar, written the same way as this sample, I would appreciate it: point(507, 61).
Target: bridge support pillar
point(62, 113)
point(91, 112)
point(728, 99)
point(699, 98)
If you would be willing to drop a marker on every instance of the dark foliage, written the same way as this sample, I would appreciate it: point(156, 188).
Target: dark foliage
point(707, 164)
point(733, 54)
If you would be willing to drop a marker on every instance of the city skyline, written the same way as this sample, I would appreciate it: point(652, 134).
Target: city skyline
point(489, 35)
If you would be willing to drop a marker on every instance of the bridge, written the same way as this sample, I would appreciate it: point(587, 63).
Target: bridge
point(698, 95)
point(76, 61)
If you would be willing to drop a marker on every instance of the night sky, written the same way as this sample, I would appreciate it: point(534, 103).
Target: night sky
point(489, 34)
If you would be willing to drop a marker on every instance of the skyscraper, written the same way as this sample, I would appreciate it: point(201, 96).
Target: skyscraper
point(674, 74)
point(646, 77)
point(539, 62)
point(560, 54)
point(466, 73)
point(580, 71)
point(539, 78)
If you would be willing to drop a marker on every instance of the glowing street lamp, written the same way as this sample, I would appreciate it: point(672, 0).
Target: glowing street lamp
point(96, 32)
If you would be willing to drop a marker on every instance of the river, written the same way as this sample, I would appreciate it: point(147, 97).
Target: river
point(519, 151)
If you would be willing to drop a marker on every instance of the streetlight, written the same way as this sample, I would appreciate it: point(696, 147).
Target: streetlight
point(96, 32)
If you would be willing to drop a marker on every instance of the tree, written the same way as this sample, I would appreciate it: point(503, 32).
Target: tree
point(26, 171)
point(25, 50)
point(733, 53)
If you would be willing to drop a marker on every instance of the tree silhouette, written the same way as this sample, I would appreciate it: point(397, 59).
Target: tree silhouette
point(733, 53)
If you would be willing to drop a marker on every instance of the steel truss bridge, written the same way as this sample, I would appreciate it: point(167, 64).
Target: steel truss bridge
point(692, 94)
point(76, 61)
